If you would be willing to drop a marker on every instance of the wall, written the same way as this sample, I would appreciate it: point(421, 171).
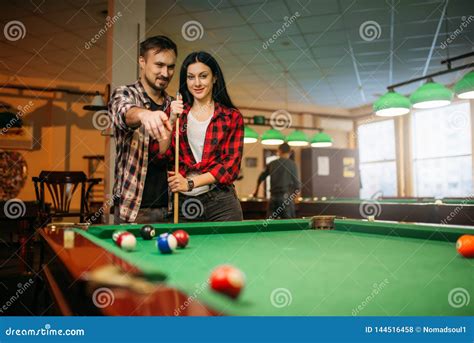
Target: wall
point(338, 129)
point(64, 131)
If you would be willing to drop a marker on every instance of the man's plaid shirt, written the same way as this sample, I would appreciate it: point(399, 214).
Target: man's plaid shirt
point(132, 148)
point(223, 145)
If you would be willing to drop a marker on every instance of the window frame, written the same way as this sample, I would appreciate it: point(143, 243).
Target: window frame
point(413, 159)
point(372, 120)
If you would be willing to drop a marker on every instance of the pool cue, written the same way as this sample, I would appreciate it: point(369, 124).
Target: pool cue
point(176, 166)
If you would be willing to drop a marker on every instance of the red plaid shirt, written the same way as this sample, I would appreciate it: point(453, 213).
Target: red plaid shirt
point(223, 145)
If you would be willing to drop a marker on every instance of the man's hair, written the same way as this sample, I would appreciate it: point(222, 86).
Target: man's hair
point(157, 43)
point(284, 148)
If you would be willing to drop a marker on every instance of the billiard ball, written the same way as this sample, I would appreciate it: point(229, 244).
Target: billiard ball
point(166, 243)
point(182, 237)
point(465, 245)
point(147, 232)
point(126, 241)
point(116, 234)
point(438, 202)
point(371, 218)
point(227, 280)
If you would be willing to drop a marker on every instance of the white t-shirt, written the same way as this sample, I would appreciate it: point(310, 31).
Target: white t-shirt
point(196, 132)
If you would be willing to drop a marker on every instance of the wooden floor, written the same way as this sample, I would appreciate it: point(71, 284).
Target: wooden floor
point(11, 279)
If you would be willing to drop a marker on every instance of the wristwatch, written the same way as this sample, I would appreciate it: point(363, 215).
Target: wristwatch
point(190, 184)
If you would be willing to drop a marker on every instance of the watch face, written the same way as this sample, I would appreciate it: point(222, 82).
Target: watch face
point(190, 185)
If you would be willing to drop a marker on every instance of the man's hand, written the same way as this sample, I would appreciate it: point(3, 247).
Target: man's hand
point(156, 123)
point(255, 193)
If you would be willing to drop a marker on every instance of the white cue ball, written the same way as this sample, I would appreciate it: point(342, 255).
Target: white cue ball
point(371, 218)
point(438, 202)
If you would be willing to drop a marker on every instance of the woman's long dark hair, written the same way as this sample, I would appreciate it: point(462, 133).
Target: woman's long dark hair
point(219, 91)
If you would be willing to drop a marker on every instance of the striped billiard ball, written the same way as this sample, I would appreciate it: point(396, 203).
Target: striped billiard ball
point(116, 234)
point(126, 241)
point(182, 237)
point(166, 243)
point(227, 280)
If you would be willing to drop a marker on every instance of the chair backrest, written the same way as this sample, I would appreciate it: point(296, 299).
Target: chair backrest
point(61, 186)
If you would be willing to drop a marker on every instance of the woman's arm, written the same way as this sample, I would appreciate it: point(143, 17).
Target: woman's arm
point(178, 183)
point(203, 179)
point(227, 169)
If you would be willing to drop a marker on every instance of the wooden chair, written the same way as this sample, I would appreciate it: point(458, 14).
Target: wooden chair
point(62, 186)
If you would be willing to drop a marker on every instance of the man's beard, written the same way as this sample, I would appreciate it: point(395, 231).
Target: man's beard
point(153, 85)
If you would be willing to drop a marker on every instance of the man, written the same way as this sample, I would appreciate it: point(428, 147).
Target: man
point(140, 114)
point(284, 184)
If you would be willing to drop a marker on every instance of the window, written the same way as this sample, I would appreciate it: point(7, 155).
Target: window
point(442, 153)
point(378, 171)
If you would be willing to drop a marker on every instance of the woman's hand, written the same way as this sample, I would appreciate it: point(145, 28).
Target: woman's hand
point(177, 182)
point(177, 106)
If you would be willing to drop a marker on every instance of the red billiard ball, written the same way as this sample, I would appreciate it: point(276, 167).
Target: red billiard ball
point(126, 241)
point(116, 234)
point(227, 280)
point(465, 245)
point(182, 237)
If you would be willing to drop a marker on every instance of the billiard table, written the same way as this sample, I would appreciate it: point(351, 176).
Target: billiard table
point(304, 267)
point(453, 211)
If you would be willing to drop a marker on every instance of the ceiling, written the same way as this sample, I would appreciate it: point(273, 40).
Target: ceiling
point(321, 57)
point(53, 45)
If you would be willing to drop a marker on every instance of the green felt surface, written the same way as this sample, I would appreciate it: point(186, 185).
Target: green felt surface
point(458, 201)
point(348, 271)
point(381, 201)
point(450, 201)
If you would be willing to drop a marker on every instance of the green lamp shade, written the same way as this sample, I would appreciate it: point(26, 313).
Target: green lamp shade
point(259, 120)
point(430, 95)
point(321, 140)
point(272, 137)
point(392, 104)
point(297, 138)
point(250, 135)
point(464, 88)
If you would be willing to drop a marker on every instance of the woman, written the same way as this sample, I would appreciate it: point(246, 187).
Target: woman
point(211, 134)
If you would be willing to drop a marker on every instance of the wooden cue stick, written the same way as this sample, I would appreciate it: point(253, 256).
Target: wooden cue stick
point(176, 167)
